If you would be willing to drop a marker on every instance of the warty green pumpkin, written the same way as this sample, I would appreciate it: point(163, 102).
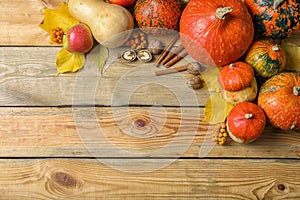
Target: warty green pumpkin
point(275, 18)
point(266, 56)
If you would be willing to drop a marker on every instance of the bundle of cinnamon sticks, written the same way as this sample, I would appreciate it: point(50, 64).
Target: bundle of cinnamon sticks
point(168, 58)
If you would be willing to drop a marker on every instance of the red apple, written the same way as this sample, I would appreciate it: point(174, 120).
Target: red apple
point(124, 3)
point(78, 38)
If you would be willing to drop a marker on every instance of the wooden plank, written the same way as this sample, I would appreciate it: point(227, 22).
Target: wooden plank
point(127, 132)
point(21, 28)
point(182, 179)
point(20, 20)
point(29, 78)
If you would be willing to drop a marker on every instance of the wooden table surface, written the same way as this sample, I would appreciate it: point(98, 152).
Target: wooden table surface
point(126, 135)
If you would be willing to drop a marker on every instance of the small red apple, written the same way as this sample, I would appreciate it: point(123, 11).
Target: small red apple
point(78, 38)
point(124, 3)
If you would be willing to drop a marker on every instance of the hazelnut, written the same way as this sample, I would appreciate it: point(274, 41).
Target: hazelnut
point(195, 82)
point(138, 40)
point(195, 68)
point(155, 47)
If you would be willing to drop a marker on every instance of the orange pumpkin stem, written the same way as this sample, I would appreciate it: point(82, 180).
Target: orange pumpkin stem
point(275, 48)
point(296, 90)
point(248, 115)
point(222, 12)
point(276, 4)
point(232, 65)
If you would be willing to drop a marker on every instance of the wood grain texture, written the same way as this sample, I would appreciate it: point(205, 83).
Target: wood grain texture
point(20, 19)
point(182, 179)
point(29, 78)
point(159, 136)
point(22, 28)
point(127, 132)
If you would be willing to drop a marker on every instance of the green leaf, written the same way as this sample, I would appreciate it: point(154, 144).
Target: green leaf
point(102, 57)
point(99, 57)
point(216, 109)
point(69, 62)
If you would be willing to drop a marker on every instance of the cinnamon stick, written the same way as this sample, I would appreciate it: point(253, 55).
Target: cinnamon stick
point(176, 58)
point(172, 54)
point(166, 50)
point(170, 70)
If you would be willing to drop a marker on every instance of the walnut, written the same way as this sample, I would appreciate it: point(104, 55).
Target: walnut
point(195, 68)
point(144, 55)
point(195, 82)
point(128, 55)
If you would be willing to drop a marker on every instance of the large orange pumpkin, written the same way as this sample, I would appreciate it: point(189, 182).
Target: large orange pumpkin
point(279, 97)
point(222, 30)
point(157, 16)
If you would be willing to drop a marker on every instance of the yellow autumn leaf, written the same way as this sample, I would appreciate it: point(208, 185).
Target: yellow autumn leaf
point(292, 52)
point(216, 109)
point(57, 18)
point(210, 78)
point(69, 62)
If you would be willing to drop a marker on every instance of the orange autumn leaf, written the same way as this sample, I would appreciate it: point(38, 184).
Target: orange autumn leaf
point(56, 20)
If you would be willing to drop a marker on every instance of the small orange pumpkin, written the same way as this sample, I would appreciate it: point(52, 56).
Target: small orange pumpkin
point(279, 97)
point(245, 122)
point(236, 76)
